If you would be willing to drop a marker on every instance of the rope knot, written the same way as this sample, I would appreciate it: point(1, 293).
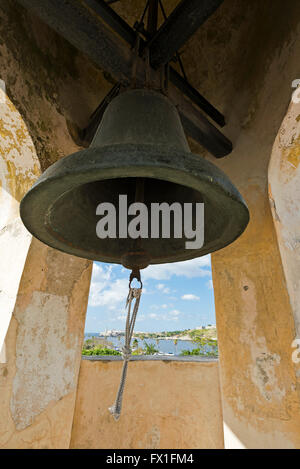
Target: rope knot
point(126, 353)
point(136, 292)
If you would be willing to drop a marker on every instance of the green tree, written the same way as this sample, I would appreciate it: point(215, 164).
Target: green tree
point(206, 347)
point(135, 344)
point(150, 349)
point(100, 351)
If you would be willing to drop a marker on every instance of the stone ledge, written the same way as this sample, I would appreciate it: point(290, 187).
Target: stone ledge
point(107, 358)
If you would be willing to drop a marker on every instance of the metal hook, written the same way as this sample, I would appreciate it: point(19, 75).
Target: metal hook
point(135, 274)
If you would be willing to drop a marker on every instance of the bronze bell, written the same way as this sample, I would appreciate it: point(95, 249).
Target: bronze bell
point(140, 138)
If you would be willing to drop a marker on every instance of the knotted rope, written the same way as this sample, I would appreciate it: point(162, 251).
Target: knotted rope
point(134, 294)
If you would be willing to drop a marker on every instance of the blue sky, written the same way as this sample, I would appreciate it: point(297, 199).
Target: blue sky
point(175, 296)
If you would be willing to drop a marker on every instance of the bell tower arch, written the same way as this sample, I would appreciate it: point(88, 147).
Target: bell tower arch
point(19, 167)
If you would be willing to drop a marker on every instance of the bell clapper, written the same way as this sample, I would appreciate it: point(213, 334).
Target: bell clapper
point(137, 258)
point(139, 190)
point(134, 294)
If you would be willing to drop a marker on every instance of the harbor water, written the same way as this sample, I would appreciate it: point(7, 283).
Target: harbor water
point(164, 346)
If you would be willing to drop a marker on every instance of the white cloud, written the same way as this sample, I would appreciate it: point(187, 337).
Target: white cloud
point(175, 312)
point(190, 297)
point(141, 317)
point(153, 315)
point(108, 289)
point(121, 317)
point(159, 307)
point(101, 273)
point(165, 316)
point(105, 289)
point(209, 285)
point(199, 267)
point(110, 295)
point(171, 315)
point(161, 287)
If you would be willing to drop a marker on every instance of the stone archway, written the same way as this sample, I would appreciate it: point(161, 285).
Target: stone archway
point(19, 167)
point(284, 194)
point(255, 290)
point(44, 292)
point(43, 302)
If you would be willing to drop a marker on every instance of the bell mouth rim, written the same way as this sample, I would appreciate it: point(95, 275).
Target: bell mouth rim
point(97, 163)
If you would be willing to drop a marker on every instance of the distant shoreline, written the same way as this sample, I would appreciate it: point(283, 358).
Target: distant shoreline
point(183, 337)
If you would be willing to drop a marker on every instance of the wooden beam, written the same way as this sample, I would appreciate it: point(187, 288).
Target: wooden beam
point(114, 21)
point(183, 22)
point(152, 17)
point(75, 22)
point(82, 28)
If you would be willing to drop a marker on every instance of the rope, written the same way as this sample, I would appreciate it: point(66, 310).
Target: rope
point(134, 294)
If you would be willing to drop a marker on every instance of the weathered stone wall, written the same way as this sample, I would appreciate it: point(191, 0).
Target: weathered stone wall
point(255, 320)
point(19, 167)
point(43, 351)
point(167, 404)
point(44, 293)
point(284, 193)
